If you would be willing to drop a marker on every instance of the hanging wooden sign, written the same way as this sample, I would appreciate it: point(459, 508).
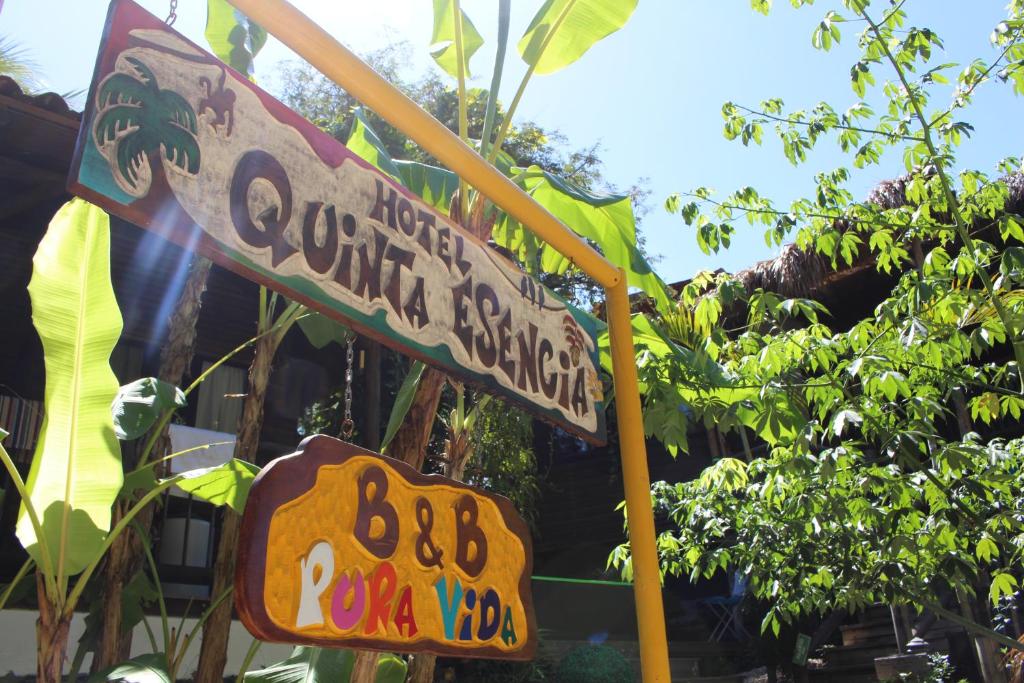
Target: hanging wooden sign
point(343, 547)
point(176, 142)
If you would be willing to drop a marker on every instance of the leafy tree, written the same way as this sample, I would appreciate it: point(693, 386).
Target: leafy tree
point(886, 477)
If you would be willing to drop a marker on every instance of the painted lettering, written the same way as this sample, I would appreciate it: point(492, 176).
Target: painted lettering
point(259, 165)
point(372, 506)
point(449, 607)
point(317, 570)
point(470, 541)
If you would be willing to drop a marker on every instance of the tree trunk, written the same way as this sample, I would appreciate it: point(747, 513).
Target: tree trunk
point(986, 651)
point(411, 439)
point(409, 444)
point(125, 555)
point(51, 637)
point(213, 653)
point(364, 668)
point(421, 669)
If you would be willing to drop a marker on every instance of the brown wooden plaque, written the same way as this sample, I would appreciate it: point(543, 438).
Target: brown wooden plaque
point(180, 144)
point(342, 547)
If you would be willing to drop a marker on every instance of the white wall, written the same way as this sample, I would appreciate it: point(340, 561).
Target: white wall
point(18, 644)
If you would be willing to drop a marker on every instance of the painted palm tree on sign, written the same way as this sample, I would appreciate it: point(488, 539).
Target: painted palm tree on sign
point(139, 123)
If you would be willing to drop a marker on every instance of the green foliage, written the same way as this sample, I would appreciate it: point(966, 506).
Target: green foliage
point(139, 404)
point(563, 30)
point(884, 480)
point(233, 37)
point(433, 184)
point(16, 63)
point(594, 664)
point(604, 219)
point(403, 401)
point(314, 665)
point(321, 330)
point(940, 670)
point(225, 484)
point(504, 463)
point(443, 38)
point(76, 469)
point(150, 668)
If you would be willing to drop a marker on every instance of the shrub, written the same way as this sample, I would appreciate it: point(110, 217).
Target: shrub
point(594, 664)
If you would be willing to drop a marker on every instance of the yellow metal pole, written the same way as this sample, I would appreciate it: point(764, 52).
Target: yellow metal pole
point(316, 46)
point(650, 614)
point(312, 43)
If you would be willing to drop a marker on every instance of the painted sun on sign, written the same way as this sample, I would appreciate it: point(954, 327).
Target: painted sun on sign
point(175, 141)
point(343, 547)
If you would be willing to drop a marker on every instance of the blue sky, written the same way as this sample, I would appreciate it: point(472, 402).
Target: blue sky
point(651, 94)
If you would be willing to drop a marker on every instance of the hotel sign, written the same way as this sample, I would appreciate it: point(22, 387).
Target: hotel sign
point(178, 143)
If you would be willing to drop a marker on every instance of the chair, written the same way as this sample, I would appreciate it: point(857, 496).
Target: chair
point(726, 609)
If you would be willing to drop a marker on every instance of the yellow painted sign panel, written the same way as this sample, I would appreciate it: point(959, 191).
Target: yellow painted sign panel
point(344, 547)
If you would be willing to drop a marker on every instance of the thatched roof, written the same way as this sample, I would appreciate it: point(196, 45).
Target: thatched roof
point(797, 273)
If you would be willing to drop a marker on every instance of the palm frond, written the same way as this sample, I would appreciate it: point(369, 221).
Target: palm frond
point(120, 88)
point(130, 157)
point(180, 148)
point(144, 71)
point(15, 62)
point(115, 120)
point(178, 110)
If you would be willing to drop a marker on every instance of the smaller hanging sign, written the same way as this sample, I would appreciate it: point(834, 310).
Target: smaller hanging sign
point(342, 547)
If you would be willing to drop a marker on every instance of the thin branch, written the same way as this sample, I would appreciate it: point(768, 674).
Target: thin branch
point(841, 126)
point(959, 223)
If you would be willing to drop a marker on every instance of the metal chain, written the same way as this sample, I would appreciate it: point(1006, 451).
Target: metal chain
point(347, 425)
point(172, 15)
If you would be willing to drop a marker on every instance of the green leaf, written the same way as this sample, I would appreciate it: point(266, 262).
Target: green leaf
point(986, 549)
point(320, 665)
point(76, 470)
point(225, 484)
point(1002, 584)
point(434, 185)
point(390, 669)
point(442, 40)
point(151, 668)
point(321, 330)
point(563, 30)
point(844, 418)
point(139, 404)
point(364, 142)
point(403, 401)
point(605, 219)
point(233, 37)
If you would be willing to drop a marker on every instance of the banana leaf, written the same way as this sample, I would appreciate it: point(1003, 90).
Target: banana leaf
point(151, 668)
point(432, 184)
point(225, 484)
point(233, 37)
point(321, 330)
point(319, 665)
point(140, 403)
point(605, 219)
point(563, 30)
point(76, 470)
point(442, 39)
point(403, 401)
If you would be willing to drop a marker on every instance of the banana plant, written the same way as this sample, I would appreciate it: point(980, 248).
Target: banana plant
point(76, 472)
point(559, 34)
